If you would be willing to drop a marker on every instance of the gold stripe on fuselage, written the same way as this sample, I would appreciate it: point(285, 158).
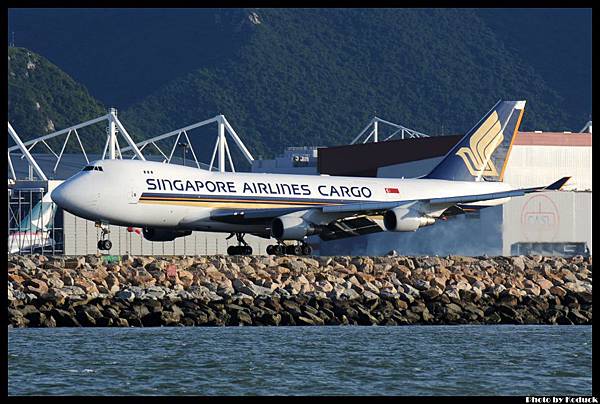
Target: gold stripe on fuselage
point(249, 201)
point(233, 204)
point(225, 203)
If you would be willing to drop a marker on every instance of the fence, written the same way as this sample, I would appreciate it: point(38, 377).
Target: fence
point(33, 223)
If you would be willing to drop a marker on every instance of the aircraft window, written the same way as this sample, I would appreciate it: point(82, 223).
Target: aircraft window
point(98, 168)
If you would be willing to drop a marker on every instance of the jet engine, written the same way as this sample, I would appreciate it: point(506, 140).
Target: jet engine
point(402, 219)
point(152, 234)
point(291, 228)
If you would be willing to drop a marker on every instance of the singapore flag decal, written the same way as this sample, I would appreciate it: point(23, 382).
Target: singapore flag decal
point(392, 191)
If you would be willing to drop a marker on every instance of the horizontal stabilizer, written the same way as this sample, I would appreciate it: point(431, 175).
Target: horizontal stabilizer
point(555, 186)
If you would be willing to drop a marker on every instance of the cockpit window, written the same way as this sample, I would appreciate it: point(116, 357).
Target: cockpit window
point(90, 168)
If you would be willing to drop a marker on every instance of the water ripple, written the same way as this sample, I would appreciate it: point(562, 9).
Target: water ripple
point(412, 360)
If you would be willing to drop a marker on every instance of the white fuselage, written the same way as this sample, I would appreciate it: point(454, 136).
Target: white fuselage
point(153, 194)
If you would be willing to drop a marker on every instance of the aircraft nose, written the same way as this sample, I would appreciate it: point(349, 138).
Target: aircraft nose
point(63, 195)
point(77, 196)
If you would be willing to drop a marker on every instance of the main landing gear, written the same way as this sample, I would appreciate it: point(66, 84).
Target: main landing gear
point(104, 244)
point(294, 249)
point(242, 248)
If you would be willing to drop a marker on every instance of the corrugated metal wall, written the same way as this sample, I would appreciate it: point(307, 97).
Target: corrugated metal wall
point(81, 237)
point(548, 217)
point(531, 166)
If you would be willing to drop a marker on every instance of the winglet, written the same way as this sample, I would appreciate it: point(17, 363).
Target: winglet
point(555, 186)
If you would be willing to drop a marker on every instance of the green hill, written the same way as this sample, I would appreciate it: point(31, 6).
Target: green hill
point(43, 99)
point(308, 77)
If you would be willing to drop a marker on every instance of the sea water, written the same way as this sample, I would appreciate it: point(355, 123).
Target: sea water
point(326, 360)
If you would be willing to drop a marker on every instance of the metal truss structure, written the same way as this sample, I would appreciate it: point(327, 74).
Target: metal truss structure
point(587, 128)
point(114, 127)
point(33, 223)
point(221, 148)
point(373, 131)
point(113, 150)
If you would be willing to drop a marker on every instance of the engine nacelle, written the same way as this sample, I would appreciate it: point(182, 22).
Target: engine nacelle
point(291, 228)
point(152, 234)
point(402, 219)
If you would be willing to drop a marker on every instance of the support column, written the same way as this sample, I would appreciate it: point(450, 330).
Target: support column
point(375, 127)
point(221, 144)
point(112, 133)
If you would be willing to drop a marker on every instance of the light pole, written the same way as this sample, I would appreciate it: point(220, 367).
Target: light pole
point(184, 146)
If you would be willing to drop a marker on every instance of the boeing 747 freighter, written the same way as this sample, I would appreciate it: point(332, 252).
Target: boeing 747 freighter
point(169, 201)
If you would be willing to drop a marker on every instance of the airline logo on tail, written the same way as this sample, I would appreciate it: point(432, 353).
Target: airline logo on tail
point(478, 156)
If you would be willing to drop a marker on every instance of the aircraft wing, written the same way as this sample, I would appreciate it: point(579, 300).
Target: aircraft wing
point(251, 216)
point(376, 207)
point(342, 228)
point(257, 216)
point(350, 227)
point(360, 217)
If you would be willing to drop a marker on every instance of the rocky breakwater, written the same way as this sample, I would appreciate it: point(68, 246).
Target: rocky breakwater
point(267, 290)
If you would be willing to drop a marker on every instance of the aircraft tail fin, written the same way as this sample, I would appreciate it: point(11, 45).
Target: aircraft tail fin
point(483, 152)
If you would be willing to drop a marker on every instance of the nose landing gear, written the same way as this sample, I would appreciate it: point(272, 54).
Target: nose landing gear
point(242, 248)
point(294, 249)
point(104, 244)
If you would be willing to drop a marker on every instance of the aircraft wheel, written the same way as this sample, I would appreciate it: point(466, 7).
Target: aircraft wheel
point(297, 249)
point(306, 249)
point(279, 249)
point(232, 250)
point(270, 250)
point(101, 245)
point(247, 250)
point(107, 244)
point(290, 250)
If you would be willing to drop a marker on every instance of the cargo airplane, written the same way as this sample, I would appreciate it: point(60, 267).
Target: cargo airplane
point(169, 201)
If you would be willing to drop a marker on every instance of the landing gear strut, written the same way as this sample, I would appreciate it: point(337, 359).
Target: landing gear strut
point(104, 244)
point(242, 248)
point(294, 249)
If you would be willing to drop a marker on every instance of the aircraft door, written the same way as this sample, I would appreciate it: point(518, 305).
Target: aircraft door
point(133, 193)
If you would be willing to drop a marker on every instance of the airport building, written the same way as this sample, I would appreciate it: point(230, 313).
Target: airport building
point(550, 223)
point(294, 160)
